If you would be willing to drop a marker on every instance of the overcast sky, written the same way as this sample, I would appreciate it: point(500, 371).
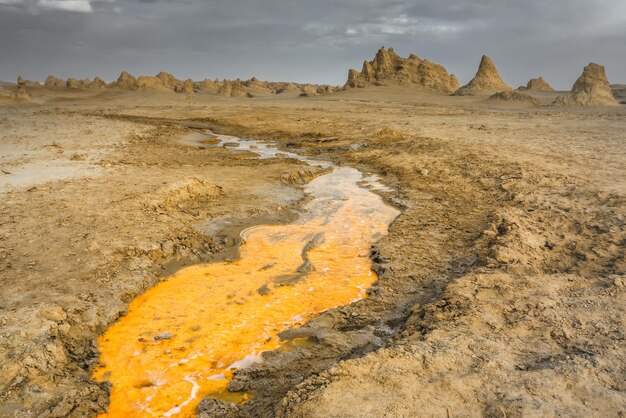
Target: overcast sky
point(308, 40)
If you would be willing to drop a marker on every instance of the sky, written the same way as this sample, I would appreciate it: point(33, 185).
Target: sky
point(313, 41)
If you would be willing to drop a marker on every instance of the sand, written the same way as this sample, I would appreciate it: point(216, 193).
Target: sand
point(502, 283)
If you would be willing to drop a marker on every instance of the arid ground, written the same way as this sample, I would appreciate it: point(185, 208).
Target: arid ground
point(502, 285)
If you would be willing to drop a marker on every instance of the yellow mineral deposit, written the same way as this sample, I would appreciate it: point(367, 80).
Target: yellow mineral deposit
point(183, 338)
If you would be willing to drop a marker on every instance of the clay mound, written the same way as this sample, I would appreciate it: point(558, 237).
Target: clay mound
point(85, 83)
point(147, 83)
point(280, 88)
point(256, 87)
point(434, 77)
point(126, 81)
point(231, 89)
point(454, 82)
point(388, 68)
point(325, 89)
point(207, 84)
point(514, 96)
point(97, 84)
point(20, 94)
point(186, 87)
point(591, 89)
point(52, 81)
point(537, 84)
point(309, 89)
point(169, 80)
point(487, 81)
point(72, 83)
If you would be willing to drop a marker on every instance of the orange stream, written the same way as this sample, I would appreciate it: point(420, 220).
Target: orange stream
point(217, 319)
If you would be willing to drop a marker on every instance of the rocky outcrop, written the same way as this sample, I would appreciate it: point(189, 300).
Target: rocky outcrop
point(186, 87)
point(169, 80)
point(207, 84)
point(148, 83)
point(537, 84)
point(20, 93)
point(98, 84)
point(514, 96)
point(387, 68)
point(286, 87)
point(591, 89)
point(126, 81)
point(309, 89)
point(72, 83)
point(487, 81)
point(52, 81)
point(231, 89)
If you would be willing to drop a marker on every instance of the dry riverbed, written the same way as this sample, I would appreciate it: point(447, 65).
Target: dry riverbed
point(502, 284)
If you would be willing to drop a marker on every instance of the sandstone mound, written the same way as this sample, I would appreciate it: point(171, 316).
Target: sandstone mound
point(97, 84)
point(537, 84)
point(309, 89)
point(325, 89)
point(256, 87)
point(591, 89)
point(207, 84)
point(186, 87)
point(280, 88)
point(169, 80)
point(52, 81)
point(20, 93)
point(146, 83)
point(486, 81)
point(72, 83)
point(126, 81)
point(514, 96)
point(231, 89)
point(388, 68)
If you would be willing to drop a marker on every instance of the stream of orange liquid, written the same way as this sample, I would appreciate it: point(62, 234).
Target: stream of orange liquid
point(183, 338)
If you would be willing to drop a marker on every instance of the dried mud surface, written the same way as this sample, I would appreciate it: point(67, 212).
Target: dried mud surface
point(501, 289)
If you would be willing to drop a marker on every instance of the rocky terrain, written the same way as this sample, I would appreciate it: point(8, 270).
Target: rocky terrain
point(501, 285)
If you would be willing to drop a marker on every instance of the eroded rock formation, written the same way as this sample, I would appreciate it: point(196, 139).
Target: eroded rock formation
point(487, 81)
point(591, 89)
point(387, 67)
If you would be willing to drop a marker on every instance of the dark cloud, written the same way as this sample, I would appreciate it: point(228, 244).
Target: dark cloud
point(303, 40)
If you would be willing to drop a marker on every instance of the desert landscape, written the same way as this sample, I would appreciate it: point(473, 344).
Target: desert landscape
point(491, 245)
